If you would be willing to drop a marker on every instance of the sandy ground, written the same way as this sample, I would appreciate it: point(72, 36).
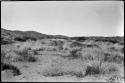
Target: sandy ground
point(34, 77)
point(31, 73)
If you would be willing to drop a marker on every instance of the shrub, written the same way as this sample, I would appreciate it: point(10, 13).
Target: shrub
point(93, 68)
point(24, 55)
point(60, 47)
point(90, 46)
point(6, 41)
point(25, 38)
point(97, 68)
point(75, 53)
point(15, 70)
point(41, 49)
point(57, 43)
point(75, 44)
point(35, 52)
point(117, 58)
point(30, 38)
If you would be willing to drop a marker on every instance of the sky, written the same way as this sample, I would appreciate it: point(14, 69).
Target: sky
point(69, 18)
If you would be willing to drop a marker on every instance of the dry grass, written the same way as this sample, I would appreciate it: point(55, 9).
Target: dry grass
point(72, 58)
point(101, 68)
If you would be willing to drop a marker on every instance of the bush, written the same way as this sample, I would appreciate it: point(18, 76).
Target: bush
point(6, 41)
point(90, 46)
point(75, 44)
point(75, 54)
point(93, 68)
point(97, 68)
point(24, 55)
point(25, 38)
point(15, 70)
point(57, 43)
point(20, 39)
point(117, 58)
point(35, 52)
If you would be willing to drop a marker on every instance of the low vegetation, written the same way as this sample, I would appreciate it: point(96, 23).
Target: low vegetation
point(25, 55)
point(14, 69)
point(6, 64)
point(80, 57)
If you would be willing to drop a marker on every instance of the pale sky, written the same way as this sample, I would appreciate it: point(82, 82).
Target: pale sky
point(70, 18)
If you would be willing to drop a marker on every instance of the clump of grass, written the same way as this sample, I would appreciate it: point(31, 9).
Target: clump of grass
point(24, 55)
point(15, 70)
point(93, 68)
point(98, 68)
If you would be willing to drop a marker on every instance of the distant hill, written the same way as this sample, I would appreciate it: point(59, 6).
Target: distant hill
point(9, 36)
point(113, 39)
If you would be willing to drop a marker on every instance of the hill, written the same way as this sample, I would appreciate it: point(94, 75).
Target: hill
point(9, 36)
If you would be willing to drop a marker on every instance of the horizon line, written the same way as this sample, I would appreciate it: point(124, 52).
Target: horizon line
point(67, 35)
